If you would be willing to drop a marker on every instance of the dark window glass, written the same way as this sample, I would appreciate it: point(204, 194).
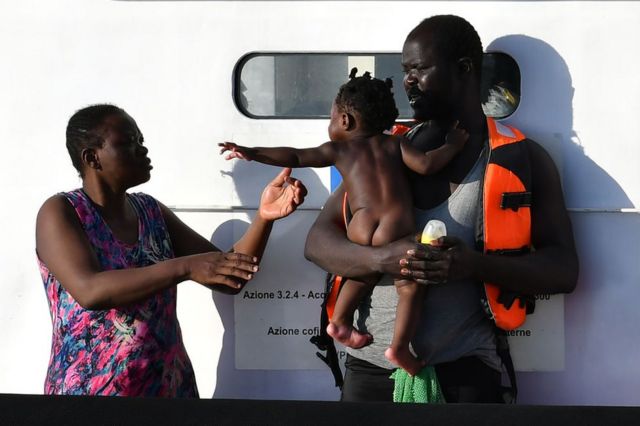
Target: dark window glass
point(500, 85)
point(303, 85)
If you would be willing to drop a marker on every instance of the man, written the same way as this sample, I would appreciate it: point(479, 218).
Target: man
point(442, 58)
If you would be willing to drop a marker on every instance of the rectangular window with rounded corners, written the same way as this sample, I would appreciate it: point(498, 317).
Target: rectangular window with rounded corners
point(304, 85)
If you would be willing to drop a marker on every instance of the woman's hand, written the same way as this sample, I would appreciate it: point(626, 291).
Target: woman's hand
point(231, 270)
point(281, 197)
point(448, 260)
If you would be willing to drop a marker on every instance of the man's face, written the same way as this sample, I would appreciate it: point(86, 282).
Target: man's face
point(428, 79)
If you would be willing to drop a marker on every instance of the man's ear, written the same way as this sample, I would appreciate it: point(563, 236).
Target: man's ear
point(465, 65)
point(90, 158)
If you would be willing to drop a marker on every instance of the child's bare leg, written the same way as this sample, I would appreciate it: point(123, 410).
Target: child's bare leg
point(340, 327)
point(407, 317)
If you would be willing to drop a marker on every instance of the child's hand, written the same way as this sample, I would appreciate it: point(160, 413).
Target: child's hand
point(456, 137)
point(235, 151)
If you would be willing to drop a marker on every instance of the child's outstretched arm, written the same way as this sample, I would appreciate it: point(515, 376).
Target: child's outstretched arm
point(321, 156)
point(431, 162)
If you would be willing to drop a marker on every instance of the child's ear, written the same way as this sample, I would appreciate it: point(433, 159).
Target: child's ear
point(348, 121)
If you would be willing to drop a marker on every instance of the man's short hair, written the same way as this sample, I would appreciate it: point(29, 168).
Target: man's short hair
point(454, 38)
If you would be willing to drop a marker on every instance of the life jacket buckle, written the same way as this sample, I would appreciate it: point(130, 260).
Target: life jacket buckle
point(515, 200)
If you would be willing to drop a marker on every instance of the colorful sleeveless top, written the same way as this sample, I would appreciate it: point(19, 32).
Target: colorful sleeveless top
point(135, 350)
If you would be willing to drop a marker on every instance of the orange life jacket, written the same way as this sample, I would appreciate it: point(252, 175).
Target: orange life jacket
point(505, 220)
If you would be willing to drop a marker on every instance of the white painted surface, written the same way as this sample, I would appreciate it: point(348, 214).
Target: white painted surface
point(169, 64)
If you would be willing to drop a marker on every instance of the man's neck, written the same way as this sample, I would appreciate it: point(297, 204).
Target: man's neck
point(470, 117)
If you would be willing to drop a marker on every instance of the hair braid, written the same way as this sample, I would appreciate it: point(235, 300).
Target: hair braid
point(370, 98)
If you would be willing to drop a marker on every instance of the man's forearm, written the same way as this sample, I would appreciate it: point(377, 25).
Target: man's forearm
point(332, 251)
point(551, 270)
point(328, 246)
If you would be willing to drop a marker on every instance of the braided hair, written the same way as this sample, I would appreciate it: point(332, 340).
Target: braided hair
point(83, 130)
point(370, 98)
point(453, 37)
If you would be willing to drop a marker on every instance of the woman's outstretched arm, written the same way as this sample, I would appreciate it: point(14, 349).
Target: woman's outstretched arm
point(62, 245)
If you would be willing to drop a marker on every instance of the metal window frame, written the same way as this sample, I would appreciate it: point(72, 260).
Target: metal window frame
point(242, 61)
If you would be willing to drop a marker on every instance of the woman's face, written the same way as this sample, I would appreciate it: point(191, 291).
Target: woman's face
point(123, 158)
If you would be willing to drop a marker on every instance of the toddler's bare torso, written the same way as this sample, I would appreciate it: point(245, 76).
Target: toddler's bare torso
point(379, 194)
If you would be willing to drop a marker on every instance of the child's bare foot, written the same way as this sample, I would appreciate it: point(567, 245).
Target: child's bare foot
point(404, 359)
point(349, 336)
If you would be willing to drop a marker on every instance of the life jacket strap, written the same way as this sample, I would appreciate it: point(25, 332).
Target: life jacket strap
point(510, 252)
point(323, 341)
point(509, 393)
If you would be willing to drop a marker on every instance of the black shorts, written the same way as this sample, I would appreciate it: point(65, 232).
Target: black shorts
point(467, 380)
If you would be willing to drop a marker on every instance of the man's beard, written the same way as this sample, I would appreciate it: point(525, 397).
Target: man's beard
point(427, 105)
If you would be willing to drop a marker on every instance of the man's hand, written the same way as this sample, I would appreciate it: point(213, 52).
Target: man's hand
point(236, 151)
point(391, 255)
point(281, 196)
point(449, 259)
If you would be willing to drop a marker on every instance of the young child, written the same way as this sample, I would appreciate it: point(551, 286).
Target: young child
point(372, 164)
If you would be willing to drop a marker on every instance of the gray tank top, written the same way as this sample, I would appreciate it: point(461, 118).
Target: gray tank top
point(452, 324)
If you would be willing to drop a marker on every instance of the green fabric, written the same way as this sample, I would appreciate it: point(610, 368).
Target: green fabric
point(423, 387)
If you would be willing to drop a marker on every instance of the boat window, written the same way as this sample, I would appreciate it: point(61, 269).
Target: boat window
point(303, 85)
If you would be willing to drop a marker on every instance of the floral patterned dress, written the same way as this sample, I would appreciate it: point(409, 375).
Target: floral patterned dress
point(135, 350)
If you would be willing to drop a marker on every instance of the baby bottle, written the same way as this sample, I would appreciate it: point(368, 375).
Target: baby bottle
point(433, 230)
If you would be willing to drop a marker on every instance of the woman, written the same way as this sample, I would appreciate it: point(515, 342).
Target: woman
point(110, 262)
